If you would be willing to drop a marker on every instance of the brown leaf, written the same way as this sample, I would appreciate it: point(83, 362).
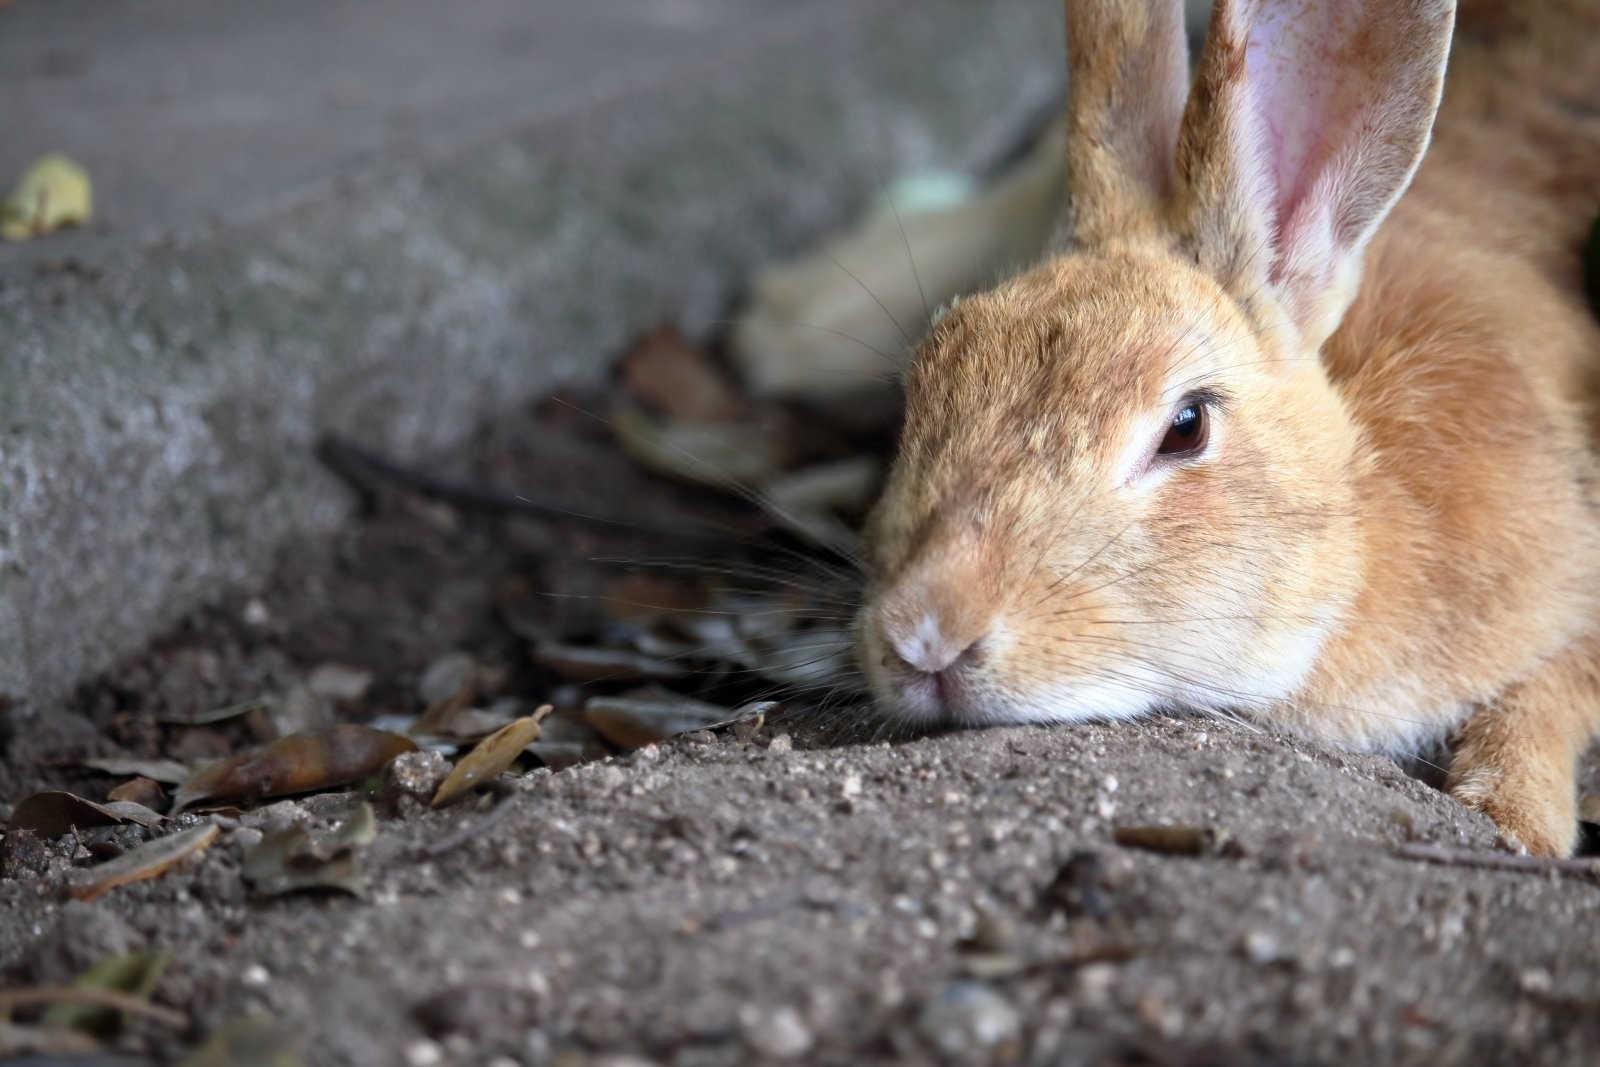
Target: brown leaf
point(150, 860)
point(664, 371)
point(53, 813)
point(645, 716)
point(1173, 840)
point(299, 763)
point(492, 755)
point(141, 790)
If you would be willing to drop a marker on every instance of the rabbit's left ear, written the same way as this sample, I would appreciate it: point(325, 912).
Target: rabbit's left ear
point(1127, 76)
point(1306, 122)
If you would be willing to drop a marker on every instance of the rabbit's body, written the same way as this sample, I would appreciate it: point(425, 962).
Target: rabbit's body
point(1389, 530)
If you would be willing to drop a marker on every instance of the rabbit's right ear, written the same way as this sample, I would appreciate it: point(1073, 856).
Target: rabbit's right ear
point(1128, 76)
point(1306, 122)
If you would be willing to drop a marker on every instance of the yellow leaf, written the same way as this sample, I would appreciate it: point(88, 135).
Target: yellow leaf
point(53, 193)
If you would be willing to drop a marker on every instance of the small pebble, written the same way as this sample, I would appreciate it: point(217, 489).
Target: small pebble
point(968, 1018)
point(780, 1034)
point(1260, 947)
point(781, 743)
point(423, 1054)
point(415, 774)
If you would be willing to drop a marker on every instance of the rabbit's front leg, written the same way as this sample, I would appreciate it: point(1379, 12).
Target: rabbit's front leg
point(1515, 760)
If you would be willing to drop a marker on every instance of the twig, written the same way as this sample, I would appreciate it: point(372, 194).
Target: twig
point(360, 467)
point(95, 998)
point(1498, 861)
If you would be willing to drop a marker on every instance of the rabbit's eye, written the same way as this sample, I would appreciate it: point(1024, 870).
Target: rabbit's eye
point(1191, 425)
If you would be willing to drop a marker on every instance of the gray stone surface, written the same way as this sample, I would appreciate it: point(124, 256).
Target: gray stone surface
point(395, 221)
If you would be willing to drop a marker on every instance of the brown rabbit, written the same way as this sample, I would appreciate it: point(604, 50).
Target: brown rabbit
point(1270, 439)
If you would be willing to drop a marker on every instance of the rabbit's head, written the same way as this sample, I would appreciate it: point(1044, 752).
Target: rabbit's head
point(1125, 480)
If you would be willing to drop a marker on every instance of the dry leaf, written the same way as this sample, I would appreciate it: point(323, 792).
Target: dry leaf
point(299, 763)
point(150, 860)
point(53, 813)
point(645, 716)
point(168, 771)
point(1173, 840)
point(491, 756)
point(566, 741)
point(291, 860)
point(676, 378)
point(141, 790)
point(54, 192)
point(726, 455)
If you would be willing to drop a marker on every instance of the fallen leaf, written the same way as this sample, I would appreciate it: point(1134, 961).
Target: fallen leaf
point(292, 860)
point(725, 455)
point(143, 791)
point(299, 763)
point(643, 717)
point(491, 756)
point(52, 193)
point(566, 741)
point(150, 860)
point(53, 813)
point(215, 715)
point(134, 974)
point(846, 485)
point(170, 772)
point(1173, 840)
point(249, 1042)
point(586, 664)
point(667, 373)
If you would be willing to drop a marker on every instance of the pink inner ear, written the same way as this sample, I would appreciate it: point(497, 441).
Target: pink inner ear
point(1313, 81)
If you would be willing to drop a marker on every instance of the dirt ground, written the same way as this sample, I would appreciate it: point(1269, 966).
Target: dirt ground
point(800, 891)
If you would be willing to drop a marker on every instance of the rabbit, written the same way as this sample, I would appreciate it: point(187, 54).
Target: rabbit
point(1299, 427)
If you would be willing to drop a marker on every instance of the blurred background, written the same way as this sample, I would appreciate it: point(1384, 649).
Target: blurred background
point(397, 221)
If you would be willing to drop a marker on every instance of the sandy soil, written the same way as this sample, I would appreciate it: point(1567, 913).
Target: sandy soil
point(793, 893)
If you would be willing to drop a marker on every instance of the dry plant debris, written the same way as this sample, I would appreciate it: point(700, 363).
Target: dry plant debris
point(53, 193)
point(150, 860)
point(300, 763)
point(53, 813)
point(490, 757)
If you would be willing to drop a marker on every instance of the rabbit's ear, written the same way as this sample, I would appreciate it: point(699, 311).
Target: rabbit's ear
point(1128, 74)
point(1306, 122)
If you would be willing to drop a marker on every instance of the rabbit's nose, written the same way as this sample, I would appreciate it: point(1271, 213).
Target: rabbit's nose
point(927, 646)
